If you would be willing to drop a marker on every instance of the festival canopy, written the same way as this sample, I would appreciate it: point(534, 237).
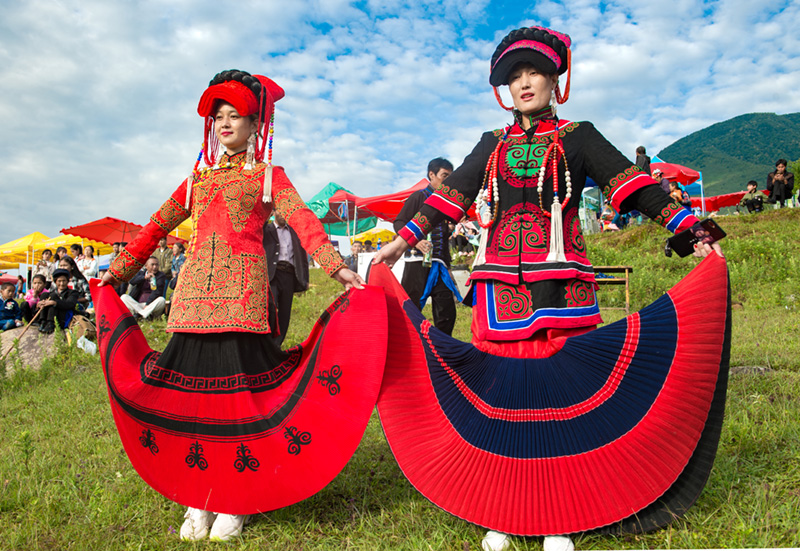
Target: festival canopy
point(343, 218)
point(65, 241)
point(21, 250)
point(109, 231)
point(375, 235)
point(676, 173)
point(387, 206)
point(5, 265)
point(717, 202)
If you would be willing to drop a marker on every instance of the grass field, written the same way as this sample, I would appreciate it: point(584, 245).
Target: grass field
point(66, 483)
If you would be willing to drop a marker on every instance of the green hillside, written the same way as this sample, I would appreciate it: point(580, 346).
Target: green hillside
point(743, 148)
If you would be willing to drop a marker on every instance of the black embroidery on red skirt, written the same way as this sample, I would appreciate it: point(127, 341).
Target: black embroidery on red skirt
point(330, 379)
point(157, 375)
point(195, 457)
point(104, 328)
point(148, 440)
point(296, 439)
point(245, 460)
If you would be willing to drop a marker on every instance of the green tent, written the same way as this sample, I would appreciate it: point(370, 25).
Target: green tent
point(343, 219)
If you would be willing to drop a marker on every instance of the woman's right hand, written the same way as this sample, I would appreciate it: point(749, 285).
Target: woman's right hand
point(390, 253)
point(108, 279)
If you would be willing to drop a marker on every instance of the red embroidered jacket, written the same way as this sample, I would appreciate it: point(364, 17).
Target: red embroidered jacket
point(223, 285)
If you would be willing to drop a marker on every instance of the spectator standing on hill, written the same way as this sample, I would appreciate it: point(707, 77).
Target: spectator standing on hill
point(780, 183)
point(178, 258)
point(421, 278)
point(19, 289)
point(352, 260)
point(76, 252)
point(642, 160)
point(45, 267)
point(658, 176)
point(88, 264)
point(287, 264)
point(61, 252)
point(164, 256)
point(753, 199)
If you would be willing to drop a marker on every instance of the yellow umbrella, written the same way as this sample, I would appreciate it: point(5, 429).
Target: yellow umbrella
point(184, 231)
point(66, 241)
point(4, 265)
point(375, 234)
point(21, 250)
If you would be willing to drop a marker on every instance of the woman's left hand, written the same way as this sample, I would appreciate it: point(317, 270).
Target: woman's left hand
point(704, 249)
point(348, 278)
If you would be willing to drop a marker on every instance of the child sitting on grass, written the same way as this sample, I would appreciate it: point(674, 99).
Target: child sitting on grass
point(10, 315)
point(36, 293)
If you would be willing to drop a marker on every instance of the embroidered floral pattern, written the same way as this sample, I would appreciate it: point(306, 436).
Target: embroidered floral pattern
point(519, 163)
point(241, 196)
point(620, 180)
point(422, 221)
point(668, 213)
point(575, 242)
point(287, 202)
point(579, 293)
point(221, 289)
point(455, 196)
point(125, 266)
point(170, 215)
point(328, 258)
point(513, 302)
point(522, 230)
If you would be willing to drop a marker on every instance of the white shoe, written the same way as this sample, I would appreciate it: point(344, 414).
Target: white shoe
point(196, 525)
point(558, 543)
point(227, 527)
point(495, 541)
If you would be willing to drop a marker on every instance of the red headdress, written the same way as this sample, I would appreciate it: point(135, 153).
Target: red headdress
point(249, 95)
point(546, 49)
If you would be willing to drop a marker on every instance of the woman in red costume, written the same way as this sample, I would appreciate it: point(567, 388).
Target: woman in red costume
point(545, 425)
point(223, 420)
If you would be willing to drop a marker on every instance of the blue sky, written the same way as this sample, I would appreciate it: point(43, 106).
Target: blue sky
point(99, 98)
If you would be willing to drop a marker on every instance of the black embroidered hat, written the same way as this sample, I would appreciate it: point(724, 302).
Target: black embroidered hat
point(545, 49)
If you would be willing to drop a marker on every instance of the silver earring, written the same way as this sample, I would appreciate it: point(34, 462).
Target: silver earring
point(251, 152)
point(553, 102)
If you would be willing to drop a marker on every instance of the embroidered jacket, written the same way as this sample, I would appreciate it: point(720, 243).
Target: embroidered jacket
point(524, 292)
point(223, 284)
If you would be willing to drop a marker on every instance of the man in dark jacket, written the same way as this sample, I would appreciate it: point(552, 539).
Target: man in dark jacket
point(287, 266)
point(427, 266)
point(58, 304)
point(147, 288)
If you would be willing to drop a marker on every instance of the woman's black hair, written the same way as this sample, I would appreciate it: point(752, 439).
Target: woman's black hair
point(40, 276)
point(781, 162)
point(240, 76)
point(181, 246)
point(76, 247)
point(73, 267)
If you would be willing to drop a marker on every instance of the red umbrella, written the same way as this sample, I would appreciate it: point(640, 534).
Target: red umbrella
point(387, 206)
point(676, 173)
point(111, 230)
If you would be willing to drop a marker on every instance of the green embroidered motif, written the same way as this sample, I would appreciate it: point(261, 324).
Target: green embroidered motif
point(524, 160)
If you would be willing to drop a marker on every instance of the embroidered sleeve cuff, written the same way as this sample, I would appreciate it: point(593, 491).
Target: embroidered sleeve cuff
point(449, 202)
point(328, 258)
point(623, 185)
point(125, 266)
point(416, 229)
point(170, 215)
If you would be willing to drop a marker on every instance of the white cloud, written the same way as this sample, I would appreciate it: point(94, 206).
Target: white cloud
point(99, 97)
